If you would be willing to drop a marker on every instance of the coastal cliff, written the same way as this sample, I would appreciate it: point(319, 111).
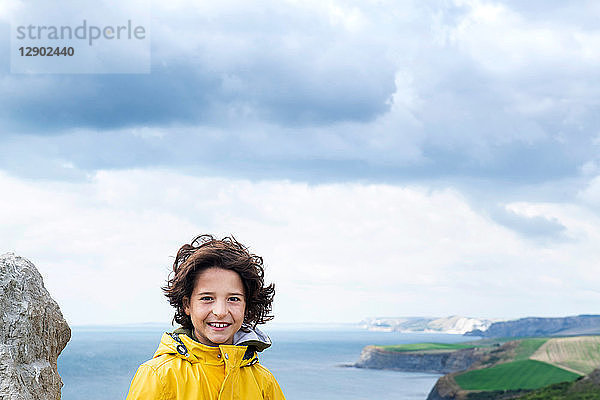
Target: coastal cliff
point(441, 362)
point(533, 326)
point(446, 389)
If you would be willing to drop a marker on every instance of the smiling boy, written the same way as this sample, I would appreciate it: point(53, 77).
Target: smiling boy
point(218, 291)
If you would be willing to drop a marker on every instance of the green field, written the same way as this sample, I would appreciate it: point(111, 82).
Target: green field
point(578, 354)
point(582, 389)
point(426, 346)
point(527, 347)
point(524, 374)
point(521, 364)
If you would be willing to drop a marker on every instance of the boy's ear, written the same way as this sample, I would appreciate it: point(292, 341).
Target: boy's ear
point(186, 305)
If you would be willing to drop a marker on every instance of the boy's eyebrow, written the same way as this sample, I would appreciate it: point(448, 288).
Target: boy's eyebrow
point(207, 292)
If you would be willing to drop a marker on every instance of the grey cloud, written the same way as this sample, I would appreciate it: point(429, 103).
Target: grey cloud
point(537, 227)
point(272, 68)
point(284, 92)
point(53, 105)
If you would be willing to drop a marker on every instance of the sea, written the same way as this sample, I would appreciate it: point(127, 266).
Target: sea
point(309, 362)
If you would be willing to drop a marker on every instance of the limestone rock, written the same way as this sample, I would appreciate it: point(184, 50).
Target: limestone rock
point(33, 333)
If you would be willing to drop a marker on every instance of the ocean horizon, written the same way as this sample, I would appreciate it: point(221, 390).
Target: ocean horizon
point(308, 361)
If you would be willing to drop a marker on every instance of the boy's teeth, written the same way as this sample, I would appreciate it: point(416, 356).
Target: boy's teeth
point(218, 325)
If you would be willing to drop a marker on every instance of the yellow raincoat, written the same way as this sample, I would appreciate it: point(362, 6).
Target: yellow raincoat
point(183, 369)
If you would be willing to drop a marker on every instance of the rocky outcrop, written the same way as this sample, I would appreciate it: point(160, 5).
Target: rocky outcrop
point(531, 327)
point(33, 333)
point(441, 362)
point(446, 389)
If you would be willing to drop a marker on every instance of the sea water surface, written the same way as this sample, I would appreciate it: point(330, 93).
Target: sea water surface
point(99, 362)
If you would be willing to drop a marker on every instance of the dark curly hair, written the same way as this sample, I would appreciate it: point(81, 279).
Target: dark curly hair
point(204, 252)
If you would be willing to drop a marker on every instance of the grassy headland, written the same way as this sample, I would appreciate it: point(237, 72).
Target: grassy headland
point(533, 363)
point(534, 368)
point(426, 347)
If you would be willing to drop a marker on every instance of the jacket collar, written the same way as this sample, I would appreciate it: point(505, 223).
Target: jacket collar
point(242, 353)
point(255, 337)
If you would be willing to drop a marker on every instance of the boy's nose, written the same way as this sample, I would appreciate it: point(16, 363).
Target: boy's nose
point(219, 309)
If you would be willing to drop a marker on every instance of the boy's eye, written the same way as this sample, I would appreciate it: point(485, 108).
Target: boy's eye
point(206, 298)
point(234, 299)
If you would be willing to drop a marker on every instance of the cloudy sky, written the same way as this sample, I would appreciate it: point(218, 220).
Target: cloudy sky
point(386, 158)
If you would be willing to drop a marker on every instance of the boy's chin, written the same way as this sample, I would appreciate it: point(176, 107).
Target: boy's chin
point(218, 340)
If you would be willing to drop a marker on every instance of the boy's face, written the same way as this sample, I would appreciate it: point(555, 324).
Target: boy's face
point(217, 306)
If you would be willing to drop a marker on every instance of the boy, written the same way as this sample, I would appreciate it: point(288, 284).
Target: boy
point(218, 291)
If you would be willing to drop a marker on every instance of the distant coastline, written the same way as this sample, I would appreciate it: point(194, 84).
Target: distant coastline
point(585, 324)
point(453, 325)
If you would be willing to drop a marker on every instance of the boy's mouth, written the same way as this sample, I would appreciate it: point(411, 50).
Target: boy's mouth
point(218, 325)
